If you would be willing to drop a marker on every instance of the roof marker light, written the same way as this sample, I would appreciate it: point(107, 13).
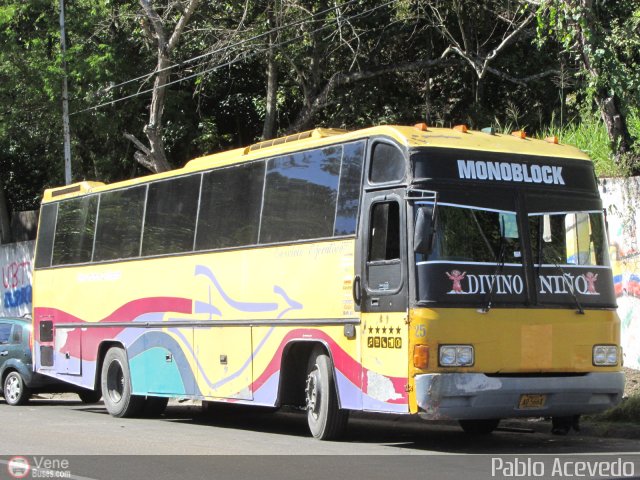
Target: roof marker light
point(488, 130)
point(461, 128)
point(520, 134)
point(553, 139)
point(421, 126)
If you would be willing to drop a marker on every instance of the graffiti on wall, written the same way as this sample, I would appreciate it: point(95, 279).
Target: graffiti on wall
point(620, 198)
point(16, 267)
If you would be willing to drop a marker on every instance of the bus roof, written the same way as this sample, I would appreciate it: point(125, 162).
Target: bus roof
point(410, 137)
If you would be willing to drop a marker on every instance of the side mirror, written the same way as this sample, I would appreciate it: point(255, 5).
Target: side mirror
point(424, 230)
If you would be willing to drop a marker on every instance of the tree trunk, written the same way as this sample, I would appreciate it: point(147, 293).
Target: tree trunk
point(616, 124)
point(5, 224)
point(269, 127)
point(154, 157)
point(156, 160)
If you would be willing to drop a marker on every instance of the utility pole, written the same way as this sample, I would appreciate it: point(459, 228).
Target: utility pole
point(65, 101)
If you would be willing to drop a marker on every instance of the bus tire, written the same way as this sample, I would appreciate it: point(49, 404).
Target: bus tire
point(15, 391)
point(116, 385)
point(479, 427)
point(154, 406)
point(326, 420)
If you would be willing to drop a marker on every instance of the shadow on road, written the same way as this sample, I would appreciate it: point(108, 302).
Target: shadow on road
point(406, 434)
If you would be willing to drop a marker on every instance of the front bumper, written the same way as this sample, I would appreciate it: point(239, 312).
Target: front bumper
point(460, 396)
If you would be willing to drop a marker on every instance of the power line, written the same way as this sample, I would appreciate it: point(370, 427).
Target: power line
point(233, 45)
point(229, 63)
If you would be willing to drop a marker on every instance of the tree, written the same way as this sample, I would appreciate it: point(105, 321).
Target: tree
point(155, 27)
point(605, 40)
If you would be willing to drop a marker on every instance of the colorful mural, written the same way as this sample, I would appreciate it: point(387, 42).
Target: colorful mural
point(16, 264)
point(620, 198)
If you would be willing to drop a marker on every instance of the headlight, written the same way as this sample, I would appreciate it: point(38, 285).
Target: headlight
point(605, 355)
point(456, 355)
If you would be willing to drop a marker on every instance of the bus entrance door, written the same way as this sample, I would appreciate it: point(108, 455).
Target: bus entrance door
point(384, 303)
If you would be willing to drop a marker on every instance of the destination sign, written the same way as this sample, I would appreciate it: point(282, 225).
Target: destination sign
point(510, 172)
point(491, 168)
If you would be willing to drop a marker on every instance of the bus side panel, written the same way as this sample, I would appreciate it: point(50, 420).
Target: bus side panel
point(160, 364)
point(385, 355)
point(148, 305)
point(271, 343)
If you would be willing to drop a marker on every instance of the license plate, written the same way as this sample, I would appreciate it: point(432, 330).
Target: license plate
point(532, 401)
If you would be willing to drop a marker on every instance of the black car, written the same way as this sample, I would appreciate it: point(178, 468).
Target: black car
point(19, 380)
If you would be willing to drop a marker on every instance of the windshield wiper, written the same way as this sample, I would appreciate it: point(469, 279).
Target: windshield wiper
point(500, 261)
point(564, 275)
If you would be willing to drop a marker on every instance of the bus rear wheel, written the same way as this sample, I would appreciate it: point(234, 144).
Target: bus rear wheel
point(479, 427)
point(326, 420)
point(116, 385)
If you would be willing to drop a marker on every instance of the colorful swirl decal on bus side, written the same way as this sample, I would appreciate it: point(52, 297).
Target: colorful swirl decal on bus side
point(145, 347)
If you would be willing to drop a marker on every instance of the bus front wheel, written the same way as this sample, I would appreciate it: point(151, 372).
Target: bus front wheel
point(326, 420)
point(116, 385)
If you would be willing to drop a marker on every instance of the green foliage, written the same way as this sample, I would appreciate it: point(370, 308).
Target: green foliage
point(590, 136)
point(603, 39)
point(225, 105)
point(627, 411)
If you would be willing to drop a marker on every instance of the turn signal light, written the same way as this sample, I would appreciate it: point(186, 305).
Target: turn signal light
point(461, 128)
point(421, 126)
point(520, 134)
point(421, 356)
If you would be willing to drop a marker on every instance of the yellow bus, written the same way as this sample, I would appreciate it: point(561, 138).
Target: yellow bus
point(447, 273)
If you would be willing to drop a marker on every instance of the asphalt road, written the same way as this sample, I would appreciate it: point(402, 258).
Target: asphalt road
point(187, 443)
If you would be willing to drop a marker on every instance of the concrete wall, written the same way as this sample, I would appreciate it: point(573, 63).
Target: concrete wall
point(16, 268)
point(621, 199)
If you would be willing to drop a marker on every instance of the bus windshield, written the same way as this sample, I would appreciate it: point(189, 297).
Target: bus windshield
point(568, 238)
point(470, 234)
point(478, 252)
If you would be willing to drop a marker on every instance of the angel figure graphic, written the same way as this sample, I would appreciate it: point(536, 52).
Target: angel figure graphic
point(456, 277)
point(591, 278)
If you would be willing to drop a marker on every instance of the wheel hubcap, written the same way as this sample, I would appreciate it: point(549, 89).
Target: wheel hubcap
point(312, 394)
point(115, 381)
point(12, 389)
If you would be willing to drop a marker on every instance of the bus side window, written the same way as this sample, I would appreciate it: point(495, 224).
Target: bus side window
point(119, 224)
point(383, 266)
point(384, 238)
point(387, 164)
point(46, 230)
